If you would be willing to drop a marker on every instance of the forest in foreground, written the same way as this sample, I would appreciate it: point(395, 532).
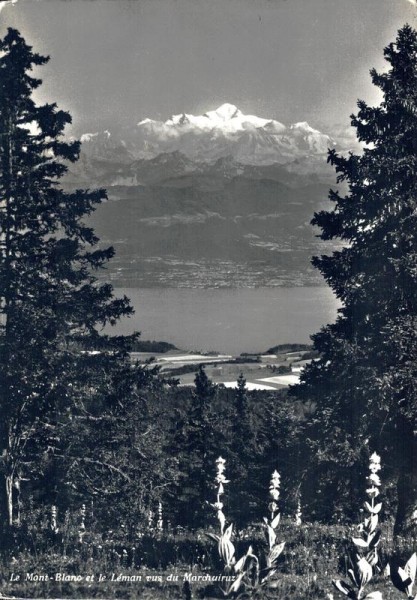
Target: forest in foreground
point(117, 482)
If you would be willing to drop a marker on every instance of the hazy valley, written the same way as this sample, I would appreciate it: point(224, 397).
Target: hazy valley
point(220, 200)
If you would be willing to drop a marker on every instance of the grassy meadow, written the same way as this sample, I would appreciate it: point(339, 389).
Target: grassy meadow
point(180, 564)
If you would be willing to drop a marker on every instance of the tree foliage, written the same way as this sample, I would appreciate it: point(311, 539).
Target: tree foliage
point(55, 359)
point(364, 384)
point(197, 441)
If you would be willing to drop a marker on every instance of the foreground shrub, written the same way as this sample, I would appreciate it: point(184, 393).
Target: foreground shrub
point(363, 557)
point(252, 571)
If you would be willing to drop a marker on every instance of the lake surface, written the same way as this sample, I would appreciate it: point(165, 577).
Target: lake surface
point(228, 320)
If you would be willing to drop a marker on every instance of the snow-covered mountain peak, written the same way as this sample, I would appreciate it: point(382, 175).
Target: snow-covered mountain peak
point(225, 111)
point(310, 138)
point(181, 119)
point(218, 133)
point(227, 118)
point(303, 126)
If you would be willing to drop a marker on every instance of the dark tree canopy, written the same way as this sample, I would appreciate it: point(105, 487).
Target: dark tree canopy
point(365, 384)
point(198, 449)
point(52, 307)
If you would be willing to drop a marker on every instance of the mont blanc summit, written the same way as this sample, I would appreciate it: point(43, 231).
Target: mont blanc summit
point(226, 131)
point(175, 185)
point(192, 143)
point(227, 118)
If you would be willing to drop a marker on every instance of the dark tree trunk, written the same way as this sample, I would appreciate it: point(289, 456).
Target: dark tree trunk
point(6, 502)
point(406, 518)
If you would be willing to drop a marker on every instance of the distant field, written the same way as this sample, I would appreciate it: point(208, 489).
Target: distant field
point(262, 372)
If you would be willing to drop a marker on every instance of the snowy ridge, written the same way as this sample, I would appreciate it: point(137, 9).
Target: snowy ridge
point(226, 117)
point(223, 132)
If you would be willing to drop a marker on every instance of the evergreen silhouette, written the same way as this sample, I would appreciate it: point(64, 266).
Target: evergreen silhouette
point(244, 455)
point(364, 384)
point(53, 355)
point(197, 445)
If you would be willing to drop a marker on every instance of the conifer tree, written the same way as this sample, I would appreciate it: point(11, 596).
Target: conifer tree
point(365, 383)
point(52, 307)
point(242, 431)
point(197, 444)
point(244, 455)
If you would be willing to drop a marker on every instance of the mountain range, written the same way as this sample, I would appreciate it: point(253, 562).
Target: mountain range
point(221, 199)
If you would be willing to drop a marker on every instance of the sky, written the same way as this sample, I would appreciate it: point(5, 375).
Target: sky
point(116, 62)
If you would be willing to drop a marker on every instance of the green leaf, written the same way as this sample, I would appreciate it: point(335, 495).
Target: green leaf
point(374, 539)
point(410, 567)
point(377, 508)
point(365, 571)
point(271, 536)
point(373, 523)
point(345, 588)
point(275, 552)
point(234, 588)
point(275, 521)
point(360, 542)
point(354, 577)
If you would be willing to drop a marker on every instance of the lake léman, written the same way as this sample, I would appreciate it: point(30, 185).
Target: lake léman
point(228, 320)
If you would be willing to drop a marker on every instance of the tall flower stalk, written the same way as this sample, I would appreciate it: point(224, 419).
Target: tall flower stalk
point(160, 521)
point(225, 545)
point(275, 548)
point(364, 555)
point(298, 514)
point(81, 527)
point(54, 519)
point(250, 572)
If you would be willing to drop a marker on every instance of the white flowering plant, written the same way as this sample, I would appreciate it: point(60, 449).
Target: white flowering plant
point(403, 578)
point(246, 573)
point(364, 557)
point(298, 514)
point(275, 549)
point(225, 545)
